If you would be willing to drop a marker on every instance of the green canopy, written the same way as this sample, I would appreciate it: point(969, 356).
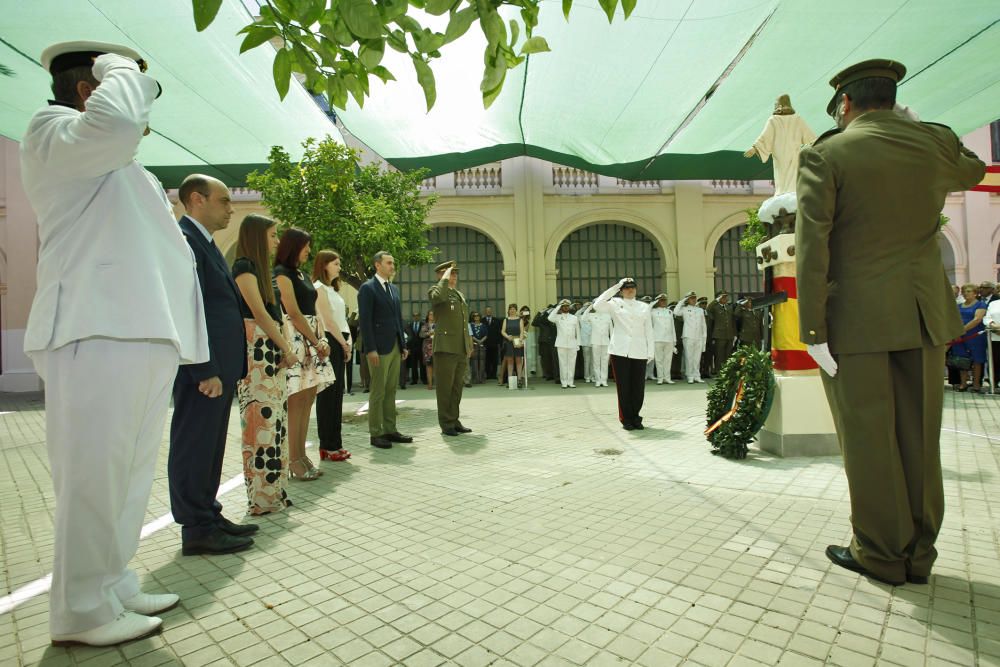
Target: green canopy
point(678, 91)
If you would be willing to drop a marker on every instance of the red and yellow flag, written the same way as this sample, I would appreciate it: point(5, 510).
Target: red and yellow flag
point(991, 182)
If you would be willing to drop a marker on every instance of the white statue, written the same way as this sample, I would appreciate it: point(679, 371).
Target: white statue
point(784, 134)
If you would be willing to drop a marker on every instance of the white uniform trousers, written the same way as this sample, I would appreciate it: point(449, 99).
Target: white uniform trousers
point(693, 347)
point(664, 357)
point(105, 408)
point(600, 369)
point(649, 367)
point(567, 365)
point(588, 363)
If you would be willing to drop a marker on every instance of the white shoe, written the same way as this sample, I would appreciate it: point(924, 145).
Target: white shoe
point(125, 628)
point(659, 382)
point(690, 381)
point(700, 381)
point(572, 386)
point(669, 381)
point(148, 604)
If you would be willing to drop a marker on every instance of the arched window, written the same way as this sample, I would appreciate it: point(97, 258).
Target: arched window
point(593, 258)
point(947, 257)
point(735, 268)
point(480, 271)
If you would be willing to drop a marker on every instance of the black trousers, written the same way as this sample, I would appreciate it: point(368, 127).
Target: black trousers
point(330, 401)
point(630, 382)
point(415, 364)
point(492, 360)
point(545, 351)
point(194, 465)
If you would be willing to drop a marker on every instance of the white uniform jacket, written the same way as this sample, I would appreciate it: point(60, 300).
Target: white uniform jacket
point(632, 335)
point(586, 329)
point(600, 327)
point(695, 326)
point(663, 325)
point(112, 260)
point(567, 329)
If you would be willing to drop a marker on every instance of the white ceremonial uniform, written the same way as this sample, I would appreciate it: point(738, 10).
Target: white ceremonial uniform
point(695, 330)
point(632, 335)
point(585, 332)
point(600, 338)
point(567, 344)
point(665, 342)
point(116, 308)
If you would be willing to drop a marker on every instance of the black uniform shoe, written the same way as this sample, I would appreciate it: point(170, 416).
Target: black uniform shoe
point(215, 543)
point(449, 431)
point(628, 427)
point(380, 442)
point(916, 579)
point(843, 557)
point(227, 526)
point(462, 429)
point(398, 437)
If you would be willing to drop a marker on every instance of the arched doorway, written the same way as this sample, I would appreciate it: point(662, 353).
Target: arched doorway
point(736, 269)
point(594, 257)
point(480, 270)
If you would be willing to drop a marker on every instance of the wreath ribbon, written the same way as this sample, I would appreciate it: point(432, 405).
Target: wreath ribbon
point(732, 410)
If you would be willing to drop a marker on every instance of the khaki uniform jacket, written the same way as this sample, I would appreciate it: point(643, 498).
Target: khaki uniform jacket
point(451, 319)
point(750, 325)
point(721, 323)
point(869, 198)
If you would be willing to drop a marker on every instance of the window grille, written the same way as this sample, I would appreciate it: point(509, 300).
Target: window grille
point(736, 269)
point(593, 258)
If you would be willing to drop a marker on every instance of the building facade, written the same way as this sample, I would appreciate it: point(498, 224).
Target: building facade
point(530, 232)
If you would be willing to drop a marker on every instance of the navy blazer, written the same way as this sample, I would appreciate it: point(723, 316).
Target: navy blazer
point(380, 317)
point(226, 335)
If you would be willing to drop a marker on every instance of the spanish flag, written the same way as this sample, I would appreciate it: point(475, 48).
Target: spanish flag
point(991, 183)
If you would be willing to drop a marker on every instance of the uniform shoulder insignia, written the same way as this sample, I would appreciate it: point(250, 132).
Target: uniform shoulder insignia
point(826, 135)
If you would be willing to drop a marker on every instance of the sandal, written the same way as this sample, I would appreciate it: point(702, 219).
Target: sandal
point(312, 466)
point(307, 475)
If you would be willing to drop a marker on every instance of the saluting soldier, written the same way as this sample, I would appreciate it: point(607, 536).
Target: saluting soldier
point(721, 329)
point(452, 346)
point(870, 193)
point(749, 324)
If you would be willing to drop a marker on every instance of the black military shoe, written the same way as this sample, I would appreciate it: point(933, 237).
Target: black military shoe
point(227, 526)
point(462, 429)
point(449, 431)
point(215, 543)
point(843, 557)
point(380, 442)
point(398, 437)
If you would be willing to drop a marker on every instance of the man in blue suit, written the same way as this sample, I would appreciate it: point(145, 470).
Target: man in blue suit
point(381, 321)
point(203, 393)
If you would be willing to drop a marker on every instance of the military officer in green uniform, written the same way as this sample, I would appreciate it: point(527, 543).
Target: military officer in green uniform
point(749, 324)
point(452, 346)
point(869, 196)
point(721, 330)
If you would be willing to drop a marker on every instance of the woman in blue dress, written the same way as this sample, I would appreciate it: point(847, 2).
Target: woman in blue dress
point(972, 311)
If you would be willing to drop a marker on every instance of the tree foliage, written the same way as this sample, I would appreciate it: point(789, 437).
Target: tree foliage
point(354, 210)
point(339, 44)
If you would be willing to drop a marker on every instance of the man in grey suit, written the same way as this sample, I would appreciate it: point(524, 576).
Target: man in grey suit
point(382, 337)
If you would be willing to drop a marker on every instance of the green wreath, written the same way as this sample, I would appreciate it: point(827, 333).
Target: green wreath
point(739, 402)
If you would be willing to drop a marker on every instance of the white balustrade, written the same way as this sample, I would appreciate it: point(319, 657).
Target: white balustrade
point(728, 186)
point(485, 179)
point(574, 180)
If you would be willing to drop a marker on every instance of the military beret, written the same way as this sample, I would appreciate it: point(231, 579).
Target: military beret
point(443, 266)
point(869, 69)
point(67, 55)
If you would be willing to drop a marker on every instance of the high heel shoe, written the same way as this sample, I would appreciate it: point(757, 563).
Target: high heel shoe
point(334, 455)
point(308, 474)
point(312, 466)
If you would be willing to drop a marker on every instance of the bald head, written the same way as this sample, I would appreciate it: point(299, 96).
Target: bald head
point(207, 200)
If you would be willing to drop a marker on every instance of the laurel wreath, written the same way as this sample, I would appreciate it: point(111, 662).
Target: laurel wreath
point(739, 402)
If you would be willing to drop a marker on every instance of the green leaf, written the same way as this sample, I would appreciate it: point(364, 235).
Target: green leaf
point(370, 54)
point(397, 41)
point(336, 92)
point(427, 41)
point(257, 35)
point(282, 71)
point(493, 74)
point(536, 44)
point(309, 11)
point(490, 96)
point(409, 24)
point(354, 88)
point(515, 32)
point(493, 27)
point(392, 10)
point(438, 7)
point(609, 8)
point(382, 73)
point(303, 61)
point(459, 23)
point(425, 77)
point(362, 18)
point(628, 6)
point(567, 5)
point(205, 12)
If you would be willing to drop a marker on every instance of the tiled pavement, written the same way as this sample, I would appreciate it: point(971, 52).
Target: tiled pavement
point(549, 536)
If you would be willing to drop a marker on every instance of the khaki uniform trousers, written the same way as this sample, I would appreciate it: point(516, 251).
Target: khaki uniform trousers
point(382, 396)
point(887, 410)
point(449, 380)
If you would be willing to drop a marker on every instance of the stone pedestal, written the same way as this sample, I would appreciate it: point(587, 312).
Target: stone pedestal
point(800, 423)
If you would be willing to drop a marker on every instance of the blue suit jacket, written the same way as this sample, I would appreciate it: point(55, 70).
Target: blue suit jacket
point(226, 336)
point(380, 317)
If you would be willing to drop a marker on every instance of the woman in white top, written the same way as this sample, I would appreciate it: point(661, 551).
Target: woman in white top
point(567, 341)
point(631, 348)
point(694, 332)
point(333, 311)
point(664, 338)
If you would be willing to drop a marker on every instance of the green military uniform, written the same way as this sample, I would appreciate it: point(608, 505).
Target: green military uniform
point(750, 327)
point(721, 331)
point(868, 204)
point(452, 348)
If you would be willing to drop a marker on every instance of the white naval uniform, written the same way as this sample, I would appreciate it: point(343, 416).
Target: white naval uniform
point(567, 344)
point(116, 308)
point(695, 330)
point(664, 342)
point(585, 347)
point(600, 338)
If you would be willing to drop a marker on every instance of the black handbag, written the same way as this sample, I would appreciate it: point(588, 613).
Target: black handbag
point(958, 362)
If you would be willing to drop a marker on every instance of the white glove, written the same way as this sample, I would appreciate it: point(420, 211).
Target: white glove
point(821, 355)
point(906, 112)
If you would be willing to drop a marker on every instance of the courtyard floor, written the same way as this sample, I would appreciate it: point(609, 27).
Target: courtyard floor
point(549, 536)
